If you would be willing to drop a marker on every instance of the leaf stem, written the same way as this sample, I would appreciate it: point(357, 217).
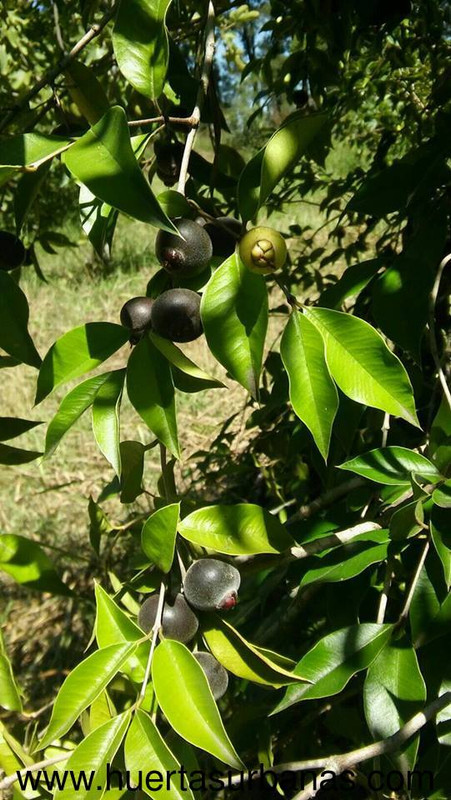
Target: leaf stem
point(209, 50)
point(408, 601)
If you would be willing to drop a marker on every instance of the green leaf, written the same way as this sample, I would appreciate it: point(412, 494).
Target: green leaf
point(104, 161)
point(86, 91)
point(27, 190)
point(362, 365)
point(10, 427)
point(101, 711)
point(151, 391)
point(442, 495)
point(145, 745)
point(140, 44)
point(27, 563)
point(441, 537)
point(158, 536)
point(351, 283)
point(174, 204)
point(28, 150)
point(98, 524)
point(98, 221)
point(92, 759)
point(313, 393)
point(72, 407)
point(444, 717)
point(407, 521)
point(78, 351)
point(15, 455)
point(242, 658)
point(394, 691)
point(183, 366)
point(333, 661)
point(14, 336)
point(132, 460)
point(82, 686)
point(350, 560)
point(392, 466)
point(283, 150)
point(9, 691)
point(234, 312)
point(241, 529)
point(113, 626)
point(185, 699)
point(105, 418)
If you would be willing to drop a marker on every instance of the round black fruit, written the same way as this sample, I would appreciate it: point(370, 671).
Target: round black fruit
point(211, 584)
point(169, 160)
point(215, 673)
point(224, 234)
point(179, 621)
point(185, 256)
point(135, 314)
point(12, 251)
point(176, 315)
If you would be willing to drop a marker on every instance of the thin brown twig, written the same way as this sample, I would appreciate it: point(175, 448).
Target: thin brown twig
point(408, 601)
point(209, 50)
point(53, 73)
point(326, 499)
point(432, 339)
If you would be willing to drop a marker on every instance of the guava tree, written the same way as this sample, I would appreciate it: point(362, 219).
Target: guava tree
point(332, 529)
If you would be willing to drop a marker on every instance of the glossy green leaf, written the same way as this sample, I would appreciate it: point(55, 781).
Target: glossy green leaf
point(394, 691)
point(15, 455)
point(362, 365)
point(78, 351)
point(27, 563)
point(13, 758)
point(442, 495)
point(105, 418)
point(10, 427)
point(29, 150)
point(151, 391)
point(132, 461)
point(158, 536)
point(103, 160)
point(313, 394)
point(185, 699)
point(140, 43)
point(392, 466)
point(82, 686)
point(9, 691)
point(333, 661)
point(354, 279)
point(145, 745)
point(92, 759)
point(114, 626)
point(441, 537)
point(183, 366)
point(241, 529)
point(72, 407)
point(234, 312)
point(14, 336)
point(242, 658)
point(86, 91)
point(174, 204)
point(350, 560)
point(426, 610)
point(101, 711)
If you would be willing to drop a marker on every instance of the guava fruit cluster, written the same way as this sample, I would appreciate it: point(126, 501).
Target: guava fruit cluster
point(209, 585)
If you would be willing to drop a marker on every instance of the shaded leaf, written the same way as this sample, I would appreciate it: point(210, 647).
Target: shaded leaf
point(15, 455)
point(14, 336)
point(86, 91)
point(9, 691)
point(132, 460)
point(28, 564)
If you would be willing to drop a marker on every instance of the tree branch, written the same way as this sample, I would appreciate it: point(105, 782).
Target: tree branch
point(153, 644)
point(53, 73)
point(48, 762)
point(432, 340)
point(408, 601)
point(339, 763)
point(209, 51)
point(326, 499)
